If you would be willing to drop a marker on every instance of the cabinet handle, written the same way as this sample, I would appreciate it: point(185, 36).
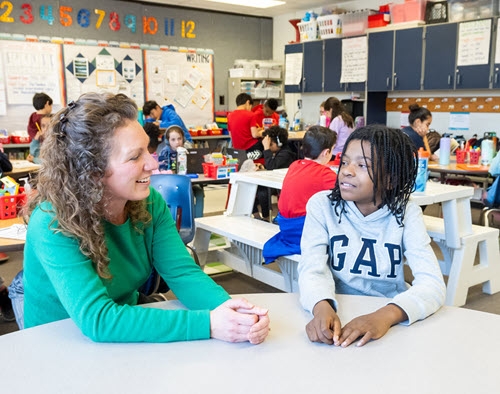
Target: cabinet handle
point(395, 82)
point(387, 82)
point(449, 79)
point(496, 78)
point(458, 79)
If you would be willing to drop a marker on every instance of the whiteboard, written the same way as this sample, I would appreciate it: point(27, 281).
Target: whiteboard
point(29, 68)
point(184, 79)
point(104, 69)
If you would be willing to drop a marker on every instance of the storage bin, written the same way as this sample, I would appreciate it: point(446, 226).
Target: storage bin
point(211, 170)
point(261, 73)
point(241, 73)
point(330, 26)
point(275, 74)
point(273, 92)
point(20, 140)
point(436, 12)
point(413, 10)
point(308, 30)
point(355, 23)
point(461, 10)
point(260, 93)
point(11, 205)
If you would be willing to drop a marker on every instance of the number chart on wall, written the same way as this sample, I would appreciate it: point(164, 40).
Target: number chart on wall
point(27, 68)
point(184, 79)
point(103, 69)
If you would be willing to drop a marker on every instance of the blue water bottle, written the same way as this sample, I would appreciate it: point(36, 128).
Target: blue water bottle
point(422, 173)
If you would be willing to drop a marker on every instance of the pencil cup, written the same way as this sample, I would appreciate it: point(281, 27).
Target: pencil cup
point(461, 156)
point(474, 157)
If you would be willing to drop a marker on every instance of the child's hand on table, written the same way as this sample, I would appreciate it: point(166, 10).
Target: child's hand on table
point(325, 326)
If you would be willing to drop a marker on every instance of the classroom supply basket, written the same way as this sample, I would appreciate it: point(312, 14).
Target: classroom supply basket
point(308, 30)
point(436, 12)
point(211, 170)
point(10, 205)
point(330, 26)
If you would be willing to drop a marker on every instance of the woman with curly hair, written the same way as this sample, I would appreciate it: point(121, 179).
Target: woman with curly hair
point(96, 229)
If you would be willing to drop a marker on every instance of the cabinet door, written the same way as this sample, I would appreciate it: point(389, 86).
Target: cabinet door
point(313, 66)
point(408, 53)
point(475, 76)
point(333, 65)
point(380, 56)
point(440, 54)
point(291, 49)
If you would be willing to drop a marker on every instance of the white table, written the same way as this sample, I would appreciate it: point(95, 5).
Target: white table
point(455, 200)
point(454, 351)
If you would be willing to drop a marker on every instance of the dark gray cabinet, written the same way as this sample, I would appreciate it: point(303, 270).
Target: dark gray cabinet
point(440, 55)
point(395, 60)
point(333, 65)
point(313, 67)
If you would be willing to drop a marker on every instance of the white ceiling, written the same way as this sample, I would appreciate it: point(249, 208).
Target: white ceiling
point(290, 6)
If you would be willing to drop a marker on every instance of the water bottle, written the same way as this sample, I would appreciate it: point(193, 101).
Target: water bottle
point(283, 122)
point(444, 150)
point(487, 151)
point(181, 161)
point(322, 120)
point(422, 173)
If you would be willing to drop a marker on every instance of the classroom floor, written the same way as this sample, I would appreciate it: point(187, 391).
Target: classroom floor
point(236, 283)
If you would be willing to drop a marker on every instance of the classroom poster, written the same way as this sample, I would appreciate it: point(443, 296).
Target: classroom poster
point(29, 68)
point(354, 59)
point(474, 43)
point(104, 69)
point(184, 79)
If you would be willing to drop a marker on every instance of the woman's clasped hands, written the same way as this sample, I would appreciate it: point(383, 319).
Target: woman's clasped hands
point(238, 320)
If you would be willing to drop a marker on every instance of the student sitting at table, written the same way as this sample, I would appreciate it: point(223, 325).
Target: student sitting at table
point(358, 236)
point(164, 117)
point(155, 137)
point(174, 139)
point(35, 144)
point(264, 117)
point(42, 103)
point(420, 119)
point(303, 179)
point(96, 229)
point(277, 154)
point(339, 121)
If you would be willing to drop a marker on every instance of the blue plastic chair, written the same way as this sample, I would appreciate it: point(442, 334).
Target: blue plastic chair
point(177, 192)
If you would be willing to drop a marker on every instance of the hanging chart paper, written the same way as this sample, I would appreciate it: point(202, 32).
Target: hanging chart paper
point(354, 59)
point(474, 43)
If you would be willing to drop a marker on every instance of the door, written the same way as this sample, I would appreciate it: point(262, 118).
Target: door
point(408, 52)
point(313, 66)
point(440, 55)
point(333, 65)
point(293, 49)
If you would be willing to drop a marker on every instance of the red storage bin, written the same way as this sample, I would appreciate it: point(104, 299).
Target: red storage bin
point(211, 170)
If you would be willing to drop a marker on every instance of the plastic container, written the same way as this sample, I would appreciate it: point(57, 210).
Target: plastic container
point(15, 139)
point(308, 30)
point(355, 23)
point(422, 173)
point(461, 10)
point(10, 205)
point(330, 26)
point(444, 150)
point(322, 120)
point(474, 157)
point(461, 156)
point(436, 12)
point(211, 170)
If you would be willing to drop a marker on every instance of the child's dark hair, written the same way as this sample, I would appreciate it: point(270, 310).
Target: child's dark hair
point(334, 104)
point(148, 107)
point(40, 99)
point(272, 104)
point(434, 138)
point(153, 132)
point(242, 99)
point(316, 140)
point(393, 168)
point(418, 112)
point(277, 134)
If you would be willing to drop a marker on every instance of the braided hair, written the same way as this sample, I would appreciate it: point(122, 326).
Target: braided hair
point(393, 171)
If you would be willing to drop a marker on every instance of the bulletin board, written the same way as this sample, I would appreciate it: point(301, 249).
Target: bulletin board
point(104, 69)
point(184, 79)
point(27, 68)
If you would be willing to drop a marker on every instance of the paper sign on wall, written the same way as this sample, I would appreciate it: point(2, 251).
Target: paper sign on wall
point(354, 59)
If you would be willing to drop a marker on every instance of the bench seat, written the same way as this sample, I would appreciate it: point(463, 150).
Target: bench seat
point(247, 237)
point(458, 264)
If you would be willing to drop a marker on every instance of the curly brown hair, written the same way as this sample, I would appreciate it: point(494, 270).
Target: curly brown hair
point(75, 155)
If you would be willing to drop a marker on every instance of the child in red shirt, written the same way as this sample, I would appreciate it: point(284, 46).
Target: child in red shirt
point(304, 178)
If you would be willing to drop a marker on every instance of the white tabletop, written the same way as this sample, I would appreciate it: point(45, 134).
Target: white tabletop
point(454, 351)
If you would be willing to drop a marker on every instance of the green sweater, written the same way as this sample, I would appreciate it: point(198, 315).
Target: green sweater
point(60, 282)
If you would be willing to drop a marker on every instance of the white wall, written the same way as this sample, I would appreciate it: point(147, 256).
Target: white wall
point(284, 33)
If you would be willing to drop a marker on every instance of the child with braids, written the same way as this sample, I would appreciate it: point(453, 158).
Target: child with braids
point(357, 237)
